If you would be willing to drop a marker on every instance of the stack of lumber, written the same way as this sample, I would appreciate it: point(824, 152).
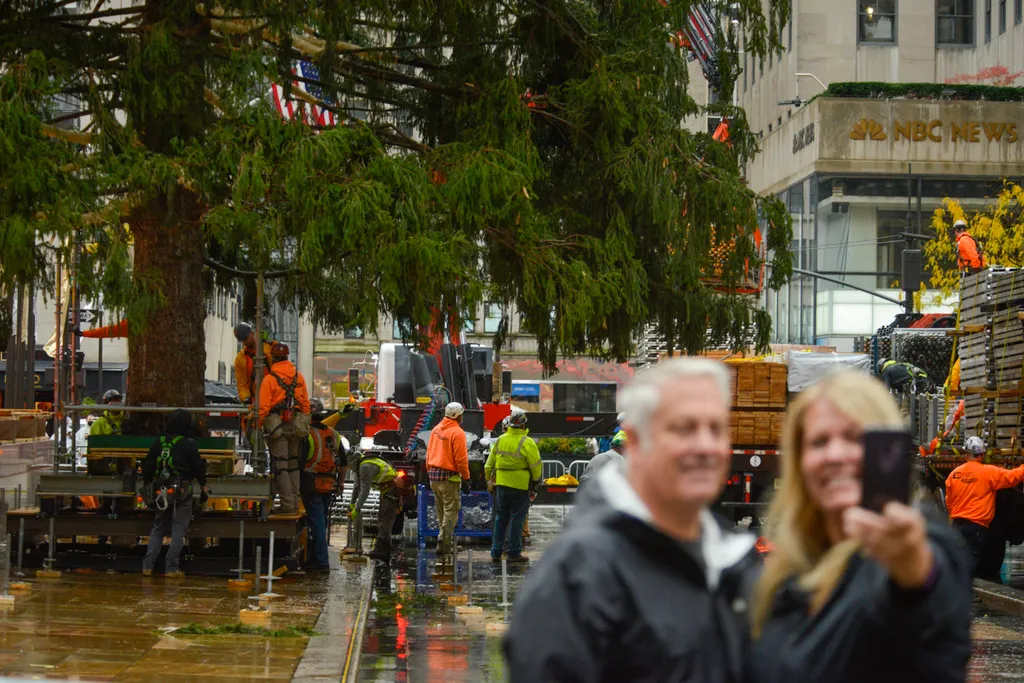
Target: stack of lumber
point(758, 402)
point(22, 425)
point(991, 353)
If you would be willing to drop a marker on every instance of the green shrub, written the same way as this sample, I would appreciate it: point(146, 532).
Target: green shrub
point(563, 446)
point(924, 91)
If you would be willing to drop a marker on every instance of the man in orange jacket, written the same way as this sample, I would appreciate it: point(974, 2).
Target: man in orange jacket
point(448, 471)
point(968, 255)
point(284, 415)
point(245, 361)
point(971, 499)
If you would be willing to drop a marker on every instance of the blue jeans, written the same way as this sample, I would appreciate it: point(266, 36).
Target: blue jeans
point(510, 509)
point(317, 509)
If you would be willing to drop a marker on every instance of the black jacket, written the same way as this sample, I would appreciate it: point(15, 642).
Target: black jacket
point(871, 630)
point(614, 599)
point(185, 457)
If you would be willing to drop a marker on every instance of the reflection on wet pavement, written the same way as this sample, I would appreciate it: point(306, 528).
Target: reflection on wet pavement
point(413, 636)
point(102, 627)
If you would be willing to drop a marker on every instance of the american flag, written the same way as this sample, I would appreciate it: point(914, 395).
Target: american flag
point(310, 114)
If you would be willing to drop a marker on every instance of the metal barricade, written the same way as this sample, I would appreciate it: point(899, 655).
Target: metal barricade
point(550, 469)
point(578, 469)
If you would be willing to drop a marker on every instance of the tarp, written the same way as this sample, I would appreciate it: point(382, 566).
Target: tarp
point(806, 368)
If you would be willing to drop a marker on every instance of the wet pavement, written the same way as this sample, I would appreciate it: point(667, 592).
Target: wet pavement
point(104, 627)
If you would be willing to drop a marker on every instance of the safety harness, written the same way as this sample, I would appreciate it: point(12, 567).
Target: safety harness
point(286, 408)
point(169, 482)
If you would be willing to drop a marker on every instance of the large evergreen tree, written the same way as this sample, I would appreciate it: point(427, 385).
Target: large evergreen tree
point(529, 151)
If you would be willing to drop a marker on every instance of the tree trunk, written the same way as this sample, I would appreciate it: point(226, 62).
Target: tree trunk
point(167, 350)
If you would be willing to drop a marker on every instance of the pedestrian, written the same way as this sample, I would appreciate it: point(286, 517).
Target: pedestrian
point(514, 465)
point(849, 594)
point(168, 470)
point(968, 253)
point(389, 482)
point(323, 472)
point(616, 453)
point(284, 415)
point(644, 584)
point(448, 472)
point(971, 501)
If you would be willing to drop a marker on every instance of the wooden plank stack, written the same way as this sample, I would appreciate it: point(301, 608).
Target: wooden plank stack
point(992, 359)
point(758, 403)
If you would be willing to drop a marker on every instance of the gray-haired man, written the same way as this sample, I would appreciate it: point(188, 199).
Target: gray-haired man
point(644, 585)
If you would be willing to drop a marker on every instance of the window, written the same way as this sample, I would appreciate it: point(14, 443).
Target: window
point(354, 333)
point(789, 39)
point(988, 21)
point(954, 22)
point(876, 21)
point(469, 315)
point(1018, 10)
point(890, 248)
point(1002, 17)
point(401, 329)
point(222, 371)
point(492, 317)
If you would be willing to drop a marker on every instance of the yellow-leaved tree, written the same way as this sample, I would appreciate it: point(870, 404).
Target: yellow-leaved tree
point(998, 228)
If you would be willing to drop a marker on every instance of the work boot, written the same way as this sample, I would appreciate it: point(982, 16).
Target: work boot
point(379, 554)
point(147, 572)
point(174, 575)
point(496, 560)
point(518, 559)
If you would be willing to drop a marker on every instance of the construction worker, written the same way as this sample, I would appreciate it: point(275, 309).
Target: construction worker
point(284, 415)
point(324, 465)
point(170, 467)
point(971, 500)
point(903, 377)
point(389, 482)
point(616, 453)
point(514, 465)
point(968, 253)
point(110, 423)
point(245, 361)
point(448, 471)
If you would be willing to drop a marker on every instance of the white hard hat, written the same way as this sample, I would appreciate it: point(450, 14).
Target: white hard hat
point(959, 222)
point(620, 417)
point(517, 418)
point(453, 410)
point(974, 445)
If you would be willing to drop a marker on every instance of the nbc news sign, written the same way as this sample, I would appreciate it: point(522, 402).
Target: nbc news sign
point(937, 130)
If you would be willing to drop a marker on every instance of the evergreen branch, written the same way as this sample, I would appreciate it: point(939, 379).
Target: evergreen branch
point(268, 275)
point(77, 137)
point(68, 117)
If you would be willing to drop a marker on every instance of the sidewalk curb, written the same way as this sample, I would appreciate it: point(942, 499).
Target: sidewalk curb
point(1000, 597)
point(355, 643)
point(327, 658)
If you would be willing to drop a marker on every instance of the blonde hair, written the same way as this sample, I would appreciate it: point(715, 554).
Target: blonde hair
point(797, 526)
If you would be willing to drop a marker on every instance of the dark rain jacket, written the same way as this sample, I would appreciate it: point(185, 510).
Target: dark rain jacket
point(614, 599)
point(185, 457)
point(872, 630)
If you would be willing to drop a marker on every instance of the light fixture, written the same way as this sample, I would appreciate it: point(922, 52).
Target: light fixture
point(870, 11)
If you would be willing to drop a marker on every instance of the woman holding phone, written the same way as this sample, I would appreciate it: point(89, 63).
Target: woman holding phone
point(850, 594)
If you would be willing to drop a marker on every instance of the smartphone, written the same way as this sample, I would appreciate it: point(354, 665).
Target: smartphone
point(887, 469)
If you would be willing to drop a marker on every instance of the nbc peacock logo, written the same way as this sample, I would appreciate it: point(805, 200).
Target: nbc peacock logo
point(867, 129)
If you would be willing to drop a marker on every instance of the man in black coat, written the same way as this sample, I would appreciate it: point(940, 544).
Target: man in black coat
point(171, 465)
point(644, 584)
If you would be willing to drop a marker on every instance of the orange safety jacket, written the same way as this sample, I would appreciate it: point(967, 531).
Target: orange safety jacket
point(971, 490)
point(245, 371)
point(272, 393)
point(447, 448)
point(968, 255)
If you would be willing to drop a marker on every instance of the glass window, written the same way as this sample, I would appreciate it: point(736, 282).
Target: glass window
point(401, 329)
point(1018, 11)
point(1002, 17)
point(789, 39)
point(876, 21)
point(492, 317)
point(355, 333)
point(890, 247)
point(988, 21)
point(954, 22)
point(469, 315)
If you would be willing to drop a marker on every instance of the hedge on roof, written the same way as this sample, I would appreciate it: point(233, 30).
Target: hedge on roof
point(924, 91)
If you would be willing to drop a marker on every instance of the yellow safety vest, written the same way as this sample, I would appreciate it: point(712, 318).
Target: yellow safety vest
point(514, 458)
point(386, 474)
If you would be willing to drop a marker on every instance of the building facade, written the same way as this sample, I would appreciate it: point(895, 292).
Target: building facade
point(848, 168)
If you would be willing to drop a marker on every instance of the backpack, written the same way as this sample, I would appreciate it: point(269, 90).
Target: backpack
point(322, 464)
point(286, 407)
